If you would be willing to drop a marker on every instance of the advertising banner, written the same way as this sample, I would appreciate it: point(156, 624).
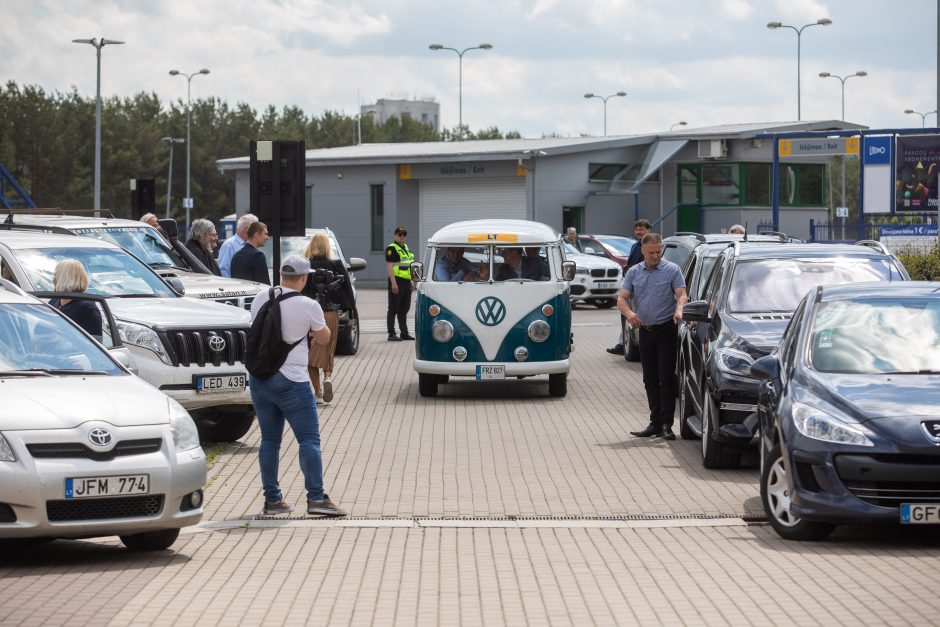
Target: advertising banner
point(916, 172)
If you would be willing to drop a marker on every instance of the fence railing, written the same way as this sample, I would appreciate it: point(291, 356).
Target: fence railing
point(870, 228)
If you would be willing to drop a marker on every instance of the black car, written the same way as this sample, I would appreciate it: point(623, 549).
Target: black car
point(850, 410)
point(750, 297)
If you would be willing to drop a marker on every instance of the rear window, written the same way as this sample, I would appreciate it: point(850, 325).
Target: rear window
point(676, 254)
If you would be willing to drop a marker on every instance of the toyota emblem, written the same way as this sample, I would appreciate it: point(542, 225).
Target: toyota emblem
point(216, 343)
point(99, 437)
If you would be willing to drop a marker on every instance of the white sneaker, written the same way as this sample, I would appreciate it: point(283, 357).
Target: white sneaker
point(327, 390)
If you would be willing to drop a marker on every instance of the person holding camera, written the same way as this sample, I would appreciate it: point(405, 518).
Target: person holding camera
point(330, 286)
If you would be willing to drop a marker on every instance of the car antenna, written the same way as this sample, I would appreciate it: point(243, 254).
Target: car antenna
point(9, 219)
point(744, 239)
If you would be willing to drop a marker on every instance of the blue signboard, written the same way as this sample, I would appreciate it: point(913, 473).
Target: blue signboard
point(921, 230)
point(877, 150)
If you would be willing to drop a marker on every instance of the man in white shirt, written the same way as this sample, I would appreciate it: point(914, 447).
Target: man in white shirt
point(286, 395)
point(235, 243)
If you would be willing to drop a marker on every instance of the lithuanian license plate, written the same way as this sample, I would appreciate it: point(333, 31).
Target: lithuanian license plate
point(491, 372)
point(118, 485)
point(604, 284)
point(221, 383)
point(920, 513)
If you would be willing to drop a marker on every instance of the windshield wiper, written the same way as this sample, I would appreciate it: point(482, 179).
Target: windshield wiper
point(164, 264)
point(33, 372)
point(134, 296)
point(49, 372)
point(922, 371)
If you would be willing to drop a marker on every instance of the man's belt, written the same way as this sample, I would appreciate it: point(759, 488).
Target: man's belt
point(653, 327)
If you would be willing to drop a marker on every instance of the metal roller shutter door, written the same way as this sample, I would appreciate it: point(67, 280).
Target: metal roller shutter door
point(443, 202)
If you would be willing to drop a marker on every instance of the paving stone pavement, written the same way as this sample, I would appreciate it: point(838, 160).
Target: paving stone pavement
point(489, 504)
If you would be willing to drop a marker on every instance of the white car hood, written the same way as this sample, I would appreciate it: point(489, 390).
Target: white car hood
point(66, 402)
point(592, 262)
point(200, 285)
point(177, 312)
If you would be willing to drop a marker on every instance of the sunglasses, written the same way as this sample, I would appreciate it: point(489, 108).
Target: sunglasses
point(403, 234)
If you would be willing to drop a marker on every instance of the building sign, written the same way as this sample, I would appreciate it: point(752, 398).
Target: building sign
point(909, 237)
point(465, 170)
point(916, 172)
point(813, 146)
point(877, 150)
point(878, 190)
point(909, 230)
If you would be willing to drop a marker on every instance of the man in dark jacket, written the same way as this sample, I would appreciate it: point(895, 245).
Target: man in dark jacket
point(201, 242)
point(250, 263)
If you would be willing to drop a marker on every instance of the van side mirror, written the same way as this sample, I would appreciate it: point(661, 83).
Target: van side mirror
point(567, 270)
point(696, 311)
point(356, 264)
point(417, 271)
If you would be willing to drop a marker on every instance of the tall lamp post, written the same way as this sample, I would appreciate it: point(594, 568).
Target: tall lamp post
point(460, 77)
point(98, 44)
point(621, 94)
point(169, 174)
point(923, 116)
point(679, 123)
point(188, 201)
point(842, 79)
point(799, 31)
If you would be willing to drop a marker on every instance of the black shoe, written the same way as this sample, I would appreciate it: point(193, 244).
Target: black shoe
point(393, 338)
point(668, 434)
point(405, 336)
point(616, 350)
point(650, 431)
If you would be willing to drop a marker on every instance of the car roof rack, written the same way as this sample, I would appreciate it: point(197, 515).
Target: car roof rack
point(697, 236)
point(783, 236)
point(875, 244)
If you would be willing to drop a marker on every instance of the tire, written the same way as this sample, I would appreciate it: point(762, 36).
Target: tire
point(558, 384)
point(427, 384)
point(604, 303)
point(151, 540)
point(715, 455)
point(775, 495)
point(443, 378)
point(631, 349)
point(223, 424)
point(685, 408)
point(348, 341)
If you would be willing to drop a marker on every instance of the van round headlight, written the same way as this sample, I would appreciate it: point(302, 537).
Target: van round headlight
point(442, 331)
point(539, 331)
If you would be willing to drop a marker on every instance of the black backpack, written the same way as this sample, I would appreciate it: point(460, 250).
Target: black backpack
point(267, 351)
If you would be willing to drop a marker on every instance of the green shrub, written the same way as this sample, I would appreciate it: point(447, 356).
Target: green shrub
point(922, 265)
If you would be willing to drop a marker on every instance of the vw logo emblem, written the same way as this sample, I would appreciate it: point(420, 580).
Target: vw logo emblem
point(216, 343)
point(932, 429)
point(491, 311)
point(99, 437)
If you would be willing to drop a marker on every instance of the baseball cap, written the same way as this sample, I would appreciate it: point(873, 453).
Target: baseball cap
point(401, 231)
point(295, 265)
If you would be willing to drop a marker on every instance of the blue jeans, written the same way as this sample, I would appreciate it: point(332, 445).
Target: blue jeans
point(276, 399)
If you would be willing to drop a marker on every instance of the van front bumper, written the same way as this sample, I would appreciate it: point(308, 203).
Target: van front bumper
point(513, 369)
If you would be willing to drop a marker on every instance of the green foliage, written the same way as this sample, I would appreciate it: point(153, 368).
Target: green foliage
point(921, 265)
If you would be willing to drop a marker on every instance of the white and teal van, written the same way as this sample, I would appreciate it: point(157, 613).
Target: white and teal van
point(485, 310)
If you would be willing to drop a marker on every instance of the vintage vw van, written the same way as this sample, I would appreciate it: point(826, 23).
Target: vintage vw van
point(486, 310)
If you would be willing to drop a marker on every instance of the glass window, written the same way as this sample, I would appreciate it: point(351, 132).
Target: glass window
point(377, 209)
point(111, 271)
point(801, 184)
point(144, 242)
point(688, 184)
point(604, 172)
point(720, 184)
point(757, 178)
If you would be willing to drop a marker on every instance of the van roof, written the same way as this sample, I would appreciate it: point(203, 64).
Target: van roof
point(497, 232)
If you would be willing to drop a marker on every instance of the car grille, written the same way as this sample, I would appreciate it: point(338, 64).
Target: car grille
point(771, 316)
point(894, 479)
point(187, 348)
point(244, 301)
point(103, 509)
point(77, 450)
point(613, 272)
point(596, 272)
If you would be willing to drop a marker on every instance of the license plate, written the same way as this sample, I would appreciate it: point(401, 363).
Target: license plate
point(221, 383)
point(605, 284)
point(920, 513)
point(491, 372)
point(120, 485)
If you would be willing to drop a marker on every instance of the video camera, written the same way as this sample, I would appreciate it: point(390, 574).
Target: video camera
point(324, 282)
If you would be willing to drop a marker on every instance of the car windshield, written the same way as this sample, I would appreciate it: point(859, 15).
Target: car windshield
point(144, 242)
point(570, 250)
point(295, 244)
point(620, 245)
point(877, 336)
point(778, 285)
point(34, 339)
point(111, 271)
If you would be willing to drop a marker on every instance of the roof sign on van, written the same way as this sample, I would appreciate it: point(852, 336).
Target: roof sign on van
point(508, 238)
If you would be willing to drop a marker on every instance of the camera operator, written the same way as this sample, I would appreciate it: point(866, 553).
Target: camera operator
point(329, 284)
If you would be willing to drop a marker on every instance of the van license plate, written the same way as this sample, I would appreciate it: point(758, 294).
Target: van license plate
point(120, 485)
point(221, 383)
point(491, 372)
point(920, 513)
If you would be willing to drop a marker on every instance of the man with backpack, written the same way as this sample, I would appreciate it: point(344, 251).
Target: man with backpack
point(282, 318)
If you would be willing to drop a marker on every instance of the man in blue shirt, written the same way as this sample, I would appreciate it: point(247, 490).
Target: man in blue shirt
point(453, 267)
point(234, 244)
point(658, 288)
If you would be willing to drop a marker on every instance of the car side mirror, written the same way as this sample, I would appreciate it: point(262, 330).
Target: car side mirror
point(696, 311)
point(567, 270)
point(356, 264)
point(417, 271)
point(766, 368)
point(177, 285)
point(588, 250)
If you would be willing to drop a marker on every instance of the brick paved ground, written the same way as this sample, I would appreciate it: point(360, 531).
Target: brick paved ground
point(491, 503)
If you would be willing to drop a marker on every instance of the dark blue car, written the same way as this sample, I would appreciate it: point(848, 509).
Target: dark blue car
point(849, 410)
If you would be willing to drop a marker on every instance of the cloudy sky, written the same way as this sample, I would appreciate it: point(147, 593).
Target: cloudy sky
point(704, 61)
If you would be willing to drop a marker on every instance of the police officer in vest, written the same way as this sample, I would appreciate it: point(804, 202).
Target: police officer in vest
point(398, 258)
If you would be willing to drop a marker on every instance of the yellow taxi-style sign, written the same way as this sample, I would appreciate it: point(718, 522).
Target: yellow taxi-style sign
point(506, 238)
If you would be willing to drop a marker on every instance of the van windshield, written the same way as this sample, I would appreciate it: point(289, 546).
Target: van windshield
point(485, 263)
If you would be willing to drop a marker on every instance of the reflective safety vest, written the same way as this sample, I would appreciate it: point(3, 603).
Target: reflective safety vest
point(402, 269)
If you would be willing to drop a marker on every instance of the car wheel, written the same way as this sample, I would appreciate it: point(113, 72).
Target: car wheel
point(427, 384)
point(348, 341)
point(223, 424)
point(631, 349)
point(685, 408)
point(151, 540)
point(775, 495)
point(558, 384)
point(715, 455)
point(604, 303)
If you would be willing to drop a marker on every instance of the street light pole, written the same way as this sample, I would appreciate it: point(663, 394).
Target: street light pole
point(98, 44)
point(799, 31)
point(923, 116)
point(188, 201)
point(460, 77)
point(679, 123)
point(169, 174)
point(604, 98)
point(842, 79)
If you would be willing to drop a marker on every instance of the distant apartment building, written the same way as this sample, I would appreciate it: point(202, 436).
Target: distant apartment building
point(426, 110)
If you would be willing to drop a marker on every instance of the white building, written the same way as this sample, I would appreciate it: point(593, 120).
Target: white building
point(427, 111)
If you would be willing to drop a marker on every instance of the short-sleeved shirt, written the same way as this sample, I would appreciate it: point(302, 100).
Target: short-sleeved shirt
point(653, 290)
point(447, 270)
point(299, 316)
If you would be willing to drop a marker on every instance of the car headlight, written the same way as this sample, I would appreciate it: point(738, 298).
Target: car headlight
point(144, 337)
point(185, 434)
point(817, 424)
point(6, 453)
point(539, 331)
point(732, 361)
point(582, 271)
point(442, 331)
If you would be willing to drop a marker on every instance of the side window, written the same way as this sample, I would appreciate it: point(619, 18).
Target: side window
point(791, 338)
point(713, 288)
point(693, 264)
point(6, 272)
